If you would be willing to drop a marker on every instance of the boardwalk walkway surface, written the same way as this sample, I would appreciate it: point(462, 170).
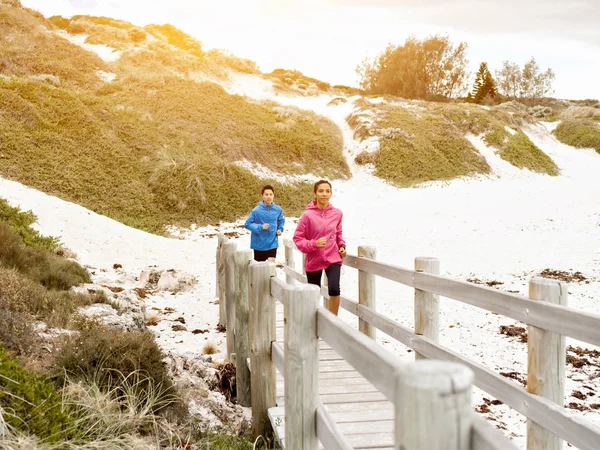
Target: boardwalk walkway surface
point(362, 413)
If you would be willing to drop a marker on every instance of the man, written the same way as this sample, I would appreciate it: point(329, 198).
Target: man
point(265, 223)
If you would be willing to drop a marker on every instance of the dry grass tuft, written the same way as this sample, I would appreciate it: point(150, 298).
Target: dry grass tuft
point(209, 349)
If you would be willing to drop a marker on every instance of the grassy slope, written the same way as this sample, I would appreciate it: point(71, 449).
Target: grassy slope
point(427, 142)
point(148, 151)
point(579, 133)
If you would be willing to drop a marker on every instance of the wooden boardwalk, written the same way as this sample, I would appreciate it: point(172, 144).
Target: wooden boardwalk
point(360, 411)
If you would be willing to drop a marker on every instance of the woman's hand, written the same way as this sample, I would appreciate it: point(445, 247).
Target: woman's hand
point(321, 242)
point(265, 226)
point(278, 232)
point(343, 252)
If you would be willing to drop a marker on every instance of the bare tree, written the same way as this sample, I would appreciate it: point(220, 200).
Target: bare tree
point(508, 79)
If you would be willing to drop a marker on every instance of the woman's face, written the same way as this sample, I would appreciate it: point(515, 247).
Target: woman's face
point(323, 194)
point(268, 196)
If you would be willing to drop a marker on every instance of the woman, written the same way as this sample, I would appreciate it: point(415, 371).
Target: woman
point(319, 236)
point(265, 223)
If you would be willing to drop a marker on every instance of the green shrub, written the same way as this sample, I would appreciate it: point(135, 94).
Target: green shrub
point(144, 151)
point(107, 357)
point(583, 133)
point(23, 295)
point(418, 148)
point(17, 334)
point(43, 267)
point(21, 223)
point(518, 150)
point(31, 404)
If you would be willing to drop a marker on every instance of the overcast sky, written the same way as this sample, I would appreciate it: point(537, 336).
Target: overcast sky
point(327, 39)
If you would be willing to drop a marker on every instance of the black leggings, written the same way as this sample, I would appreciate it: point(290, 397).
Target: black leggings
point(333, 278)
point(263, 255)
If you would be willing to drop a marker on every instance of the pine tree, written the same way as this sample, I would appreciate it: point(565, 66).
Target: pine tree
point(485, 85)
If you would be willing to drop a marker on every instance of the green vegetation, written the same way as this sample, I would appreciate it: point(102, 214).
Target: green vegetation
point(30, 403)
point(28, 50)
point(518, 150)
point(151, 152)
point(579, 133)
point(417, 149)
point(108, 357)
point(21, 223)
point(422, 141)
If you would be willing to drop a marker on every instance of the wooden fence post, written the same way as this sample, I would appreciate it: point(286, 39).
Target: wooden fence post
point(221, 278)
point(433, 406)
point(242, 351)
point(262, 334)
point(289, 262)
point(427, 305)
point(301, 367)
point(366, 290)
point(325, 285)
point(546, 356)
point(229, 251)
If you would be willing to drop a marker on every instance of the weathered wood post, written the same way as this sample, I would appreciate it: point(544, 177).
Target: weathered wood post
point(301, 367)
point(427, 305)
point(229, 251)
point(289, 262)
point(221, 279)
point(242, 347)
point(366, 290)
point(433, 406)
point(546, 356)
point(325, 285)
point(262, 334)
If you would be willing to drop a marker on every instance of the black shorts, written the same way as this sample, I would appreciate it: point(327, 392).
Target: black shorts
point(333, 278)
point(263, 255)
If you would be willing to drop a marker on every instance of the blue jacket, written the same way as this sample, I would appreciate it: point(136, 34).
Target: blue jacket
point(265, 239)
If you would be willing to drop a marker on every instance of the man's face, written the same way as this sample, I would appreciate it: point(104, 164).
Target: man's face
point(268, 196)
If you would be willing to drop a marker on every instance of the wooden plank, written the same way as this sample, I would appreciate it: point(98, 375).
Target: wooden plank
point(388, 271)
point(366, 416)
point(221, 278)
point(328, 399)
point(277, 356)
point(292, 274)
point(280, 292)
point(328, 432)
point(374, 362)
point(559, 319)
point(377, 405)
point(339, 389)
point(486, 437)
point(427, 305)
point(367, 426)
point(301, 362)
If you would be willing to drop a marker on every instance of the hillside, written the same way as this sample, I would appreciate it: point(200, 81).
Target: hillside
point(143, 125)
point(156, 144)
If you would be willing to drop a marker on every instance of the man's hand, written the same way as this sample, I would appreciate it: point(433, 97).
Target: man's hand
point(265, 226)
point(321, 242)
point(278, 232)
point(343, 252)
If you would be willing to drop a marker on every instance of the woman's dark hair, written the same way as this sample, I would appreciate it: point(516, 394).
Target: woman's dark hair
point(316, 186)
point(266, 187)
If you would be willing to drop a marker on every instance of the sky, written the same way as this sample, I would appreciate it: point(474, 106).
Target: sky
point(327, 39)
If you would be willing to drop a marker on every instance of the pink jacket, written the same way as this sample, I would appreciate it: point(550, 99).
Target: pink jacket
point(314, 224)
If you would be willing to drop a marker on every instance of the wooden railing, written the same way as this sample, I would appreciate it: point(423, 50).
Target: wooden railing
point(545, 312)
point(432, 399)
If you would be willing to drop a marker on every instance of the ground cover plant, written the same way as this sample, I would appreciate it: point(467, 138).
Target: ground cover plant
point(579, 133)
